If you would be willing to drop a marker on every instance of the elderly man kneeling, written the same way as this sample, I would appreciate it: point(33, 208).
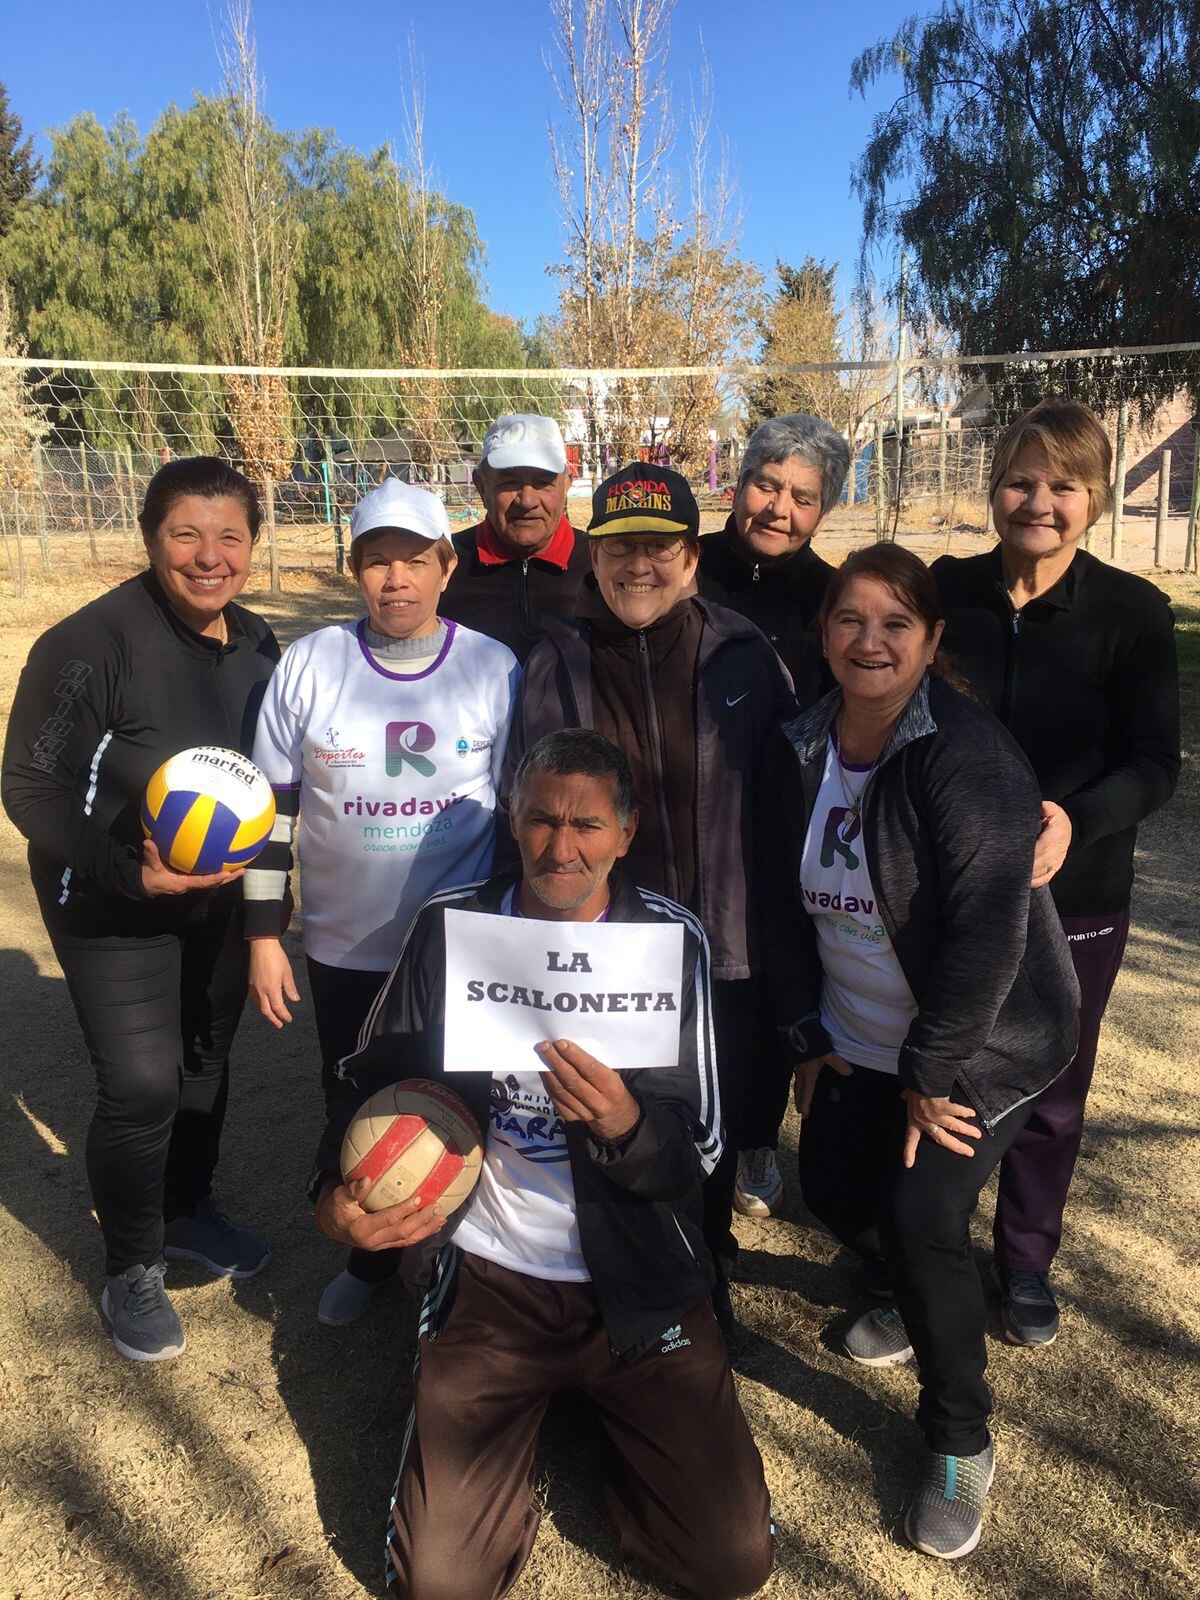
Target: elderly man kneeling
point(580, 1265)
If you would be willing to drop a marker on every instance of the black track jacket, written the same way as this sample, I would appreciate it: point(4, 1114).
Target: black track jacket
point(106, 696)
point(510, 600)
point(637, 1200)
point(781, 597)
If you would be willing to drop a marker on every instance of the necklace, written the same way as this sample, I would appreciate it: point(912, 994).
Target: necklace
point(851, 823)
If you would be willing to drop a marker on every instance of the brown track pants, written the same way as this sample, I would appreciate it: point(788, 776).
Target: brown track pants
point(686, 1488)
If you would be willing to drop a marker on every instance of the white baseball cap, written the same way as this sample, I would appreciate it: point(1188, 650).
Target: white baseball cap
point(401, 507)
point(523, 439)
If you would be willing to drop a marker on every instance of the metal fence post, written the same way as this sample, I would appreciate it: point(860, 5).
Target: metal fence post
point(943, 441)
point(133, 493)
point(1118, 511)
point(88, 518)
point(1160, 521)
point(43, 532)
point(332, 514)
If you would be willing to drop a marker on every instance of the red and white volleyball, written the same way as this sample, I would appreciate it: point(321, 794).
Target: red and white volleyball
point(416, 1137)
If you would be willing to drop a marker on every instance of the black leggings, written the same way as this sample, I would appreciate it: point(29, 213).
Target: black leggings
point(918, 1219)
point(342, 997)
point(158, 1016)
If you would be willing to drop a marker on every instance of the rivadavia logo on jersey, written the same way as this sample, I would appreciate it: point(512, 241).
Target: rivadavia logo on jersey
point(405, 743)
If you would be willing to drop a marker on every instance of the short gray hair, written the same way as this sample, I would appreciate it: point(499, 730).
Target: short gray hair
point(571, 751)
point(809, 439)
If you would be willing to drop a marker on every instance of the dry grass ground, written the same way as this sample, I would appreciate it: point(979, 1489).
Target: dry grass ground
point(259, 1465)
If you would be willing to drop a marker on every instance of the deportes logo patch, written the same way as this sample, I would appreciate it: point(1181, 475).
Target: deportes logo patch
point(406, 743)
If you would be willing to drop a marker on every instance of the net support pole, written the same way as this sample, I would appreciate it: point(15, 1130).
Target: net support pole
point(268, 486)
point(1164, 500)
point(1190, 552)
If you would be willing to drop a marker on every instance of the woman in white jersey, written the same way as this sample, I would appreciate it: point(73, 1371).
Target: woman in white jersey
point(384, 738)
point(926, 992)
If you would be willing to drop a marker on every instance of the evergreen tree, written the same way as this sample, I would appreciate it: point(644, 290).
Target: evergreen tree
point(798, 326)
point(1041, 163)
point(19, 167)
point(110, 259)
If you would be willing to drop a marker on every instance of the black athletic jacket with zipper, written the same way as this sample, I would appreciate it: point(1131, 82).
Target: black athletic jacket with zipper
point(637, 1200)
point(782, 597)
point(106, 696)
point(1084, 678)
point(949, 818)
point(510, 600)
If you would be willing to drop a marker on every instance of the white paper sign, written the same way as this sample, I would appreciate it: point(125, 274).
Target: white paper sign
point(613, 988)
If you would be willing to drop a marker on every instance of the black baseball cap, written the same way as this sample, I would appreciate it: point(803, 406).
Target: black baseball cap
point(641, 498)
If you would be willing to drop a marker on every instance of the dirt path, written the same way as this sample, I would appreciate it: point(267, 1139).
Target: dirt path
point(260, 1463)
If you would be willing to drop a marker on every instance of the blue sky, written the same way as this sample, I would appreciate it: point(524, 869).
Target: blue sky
point(780, 70)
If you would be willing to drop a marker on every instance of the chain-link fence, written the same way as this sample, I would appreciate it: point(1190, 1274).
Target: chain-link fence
point(80, 440)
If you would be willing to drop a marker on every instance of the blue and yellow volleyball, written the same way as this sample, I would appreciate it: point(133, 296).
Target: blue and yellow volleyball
point(208, 810)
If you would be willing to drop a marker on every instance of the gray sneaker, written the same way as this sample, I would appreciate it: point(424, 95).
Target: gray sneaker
point(878, 1339)
point(945, 1516)
point(216, 1243)
point(759, 1188)
point(142, 1321)
point(347, 1299)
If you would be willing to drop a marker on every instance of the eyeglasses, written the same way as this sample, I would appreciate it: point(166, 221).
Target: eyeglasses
point(659, 550)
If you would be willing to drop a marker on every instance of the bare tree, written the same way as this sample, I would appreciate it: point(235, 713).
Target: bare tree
point(421, 226)
point(585, 88)
point(867, 335)
point(640, 284)
point(251, 237)
point(710, 291)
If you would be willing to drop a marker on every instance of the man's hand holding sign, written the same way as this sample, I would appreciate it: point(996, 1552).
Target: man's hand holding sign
point(585, 1090)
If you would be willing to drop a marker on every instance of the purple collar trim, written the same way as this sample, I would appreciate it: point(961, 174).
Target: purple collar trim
point(848, 766)
point(404, 677)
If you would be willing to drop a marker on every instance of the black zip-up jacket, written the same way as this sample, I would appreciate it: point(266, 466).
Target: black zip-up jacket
point(106, 696)
point(637, 1200)
point(950, 817)
point(510, 600)
point(1085, 679)
point(781, 597)
point(742, 693)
